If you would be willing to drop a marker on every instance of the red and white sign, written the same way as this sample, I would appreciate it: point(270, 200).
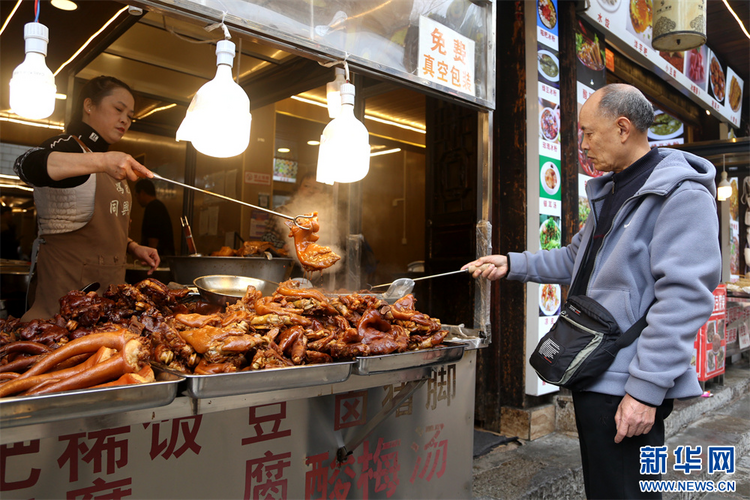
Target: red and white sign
point(445, 57)
point(256, 178)
point(711, 342)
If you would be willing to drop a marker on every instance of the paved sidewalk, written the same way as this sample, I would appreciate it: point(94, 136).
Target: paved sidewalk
point(550, 467)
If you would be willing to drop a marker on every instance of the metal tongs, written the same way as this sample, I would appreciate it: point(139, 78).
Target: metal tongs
point(293, 218)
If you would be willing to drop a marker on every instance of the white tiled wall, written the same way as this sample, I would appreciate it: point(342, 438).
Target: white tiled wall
point(8, 155)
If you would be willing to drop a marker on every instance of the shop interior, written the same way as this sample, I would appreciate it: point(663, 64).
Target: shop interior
point(165, 60)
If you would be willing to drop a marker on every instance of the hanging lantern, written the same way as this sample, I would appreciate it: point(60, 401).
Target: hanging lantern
point(679, 25)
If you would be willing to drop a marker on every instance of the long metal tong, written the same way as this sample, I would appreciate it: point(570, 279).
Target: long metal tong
point(293, 218)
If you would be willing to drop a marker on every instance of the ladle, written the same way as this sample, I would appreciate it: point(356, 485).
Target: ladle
point(293, 218)
point(401, 286)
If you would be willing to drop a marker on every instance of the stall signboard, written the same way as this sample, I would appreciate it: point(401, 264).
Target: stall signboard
point(445, 57)
point(699, 73)
point(279, 450)
point(374, 36)
point(710, 347)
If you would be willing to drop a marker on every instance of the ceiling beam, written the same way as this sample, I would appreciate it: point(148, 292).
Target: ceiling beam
point(297, 76)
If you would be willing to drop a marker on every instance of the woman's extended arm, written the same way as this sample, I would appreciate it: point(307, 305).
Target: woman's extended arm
point(116, 164)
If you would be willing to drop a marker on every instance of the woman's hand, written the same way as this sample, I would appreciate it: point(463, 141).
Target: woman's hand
point(120, 165)
point(147, 255)
point(491, 267)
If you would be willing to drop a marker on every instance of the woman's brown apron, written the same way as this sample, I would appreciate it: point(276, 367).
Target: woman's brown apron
point(95, 252)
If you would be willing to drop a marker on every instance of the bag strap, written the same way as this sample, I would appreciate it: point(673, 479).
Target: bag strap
point(634, 331)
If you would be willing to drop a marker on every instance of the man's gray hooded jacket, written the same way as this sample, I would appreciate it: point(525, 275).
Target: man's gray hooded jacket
point(664, 244)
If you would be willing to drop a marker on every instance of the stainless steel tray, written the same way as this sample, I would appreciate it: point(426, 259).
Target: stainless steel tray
point(238, 383)
point(370, 365)
point(30, 410)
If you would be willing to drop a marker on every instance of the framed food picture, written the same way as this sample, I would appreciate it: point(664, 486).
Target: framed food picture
point(665, 126)
point(547, 15)
point(549, 66)
point(549, 299)
point(550, 235)
point(549, 124)
point(640, 19)
point(734, 91)
point(717, 81)
point(696, 63)
point(549, 177)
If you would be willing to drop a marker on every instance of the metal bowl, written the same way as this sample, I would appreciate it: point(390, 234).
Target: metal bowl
point(225, 289)
point(187, 268)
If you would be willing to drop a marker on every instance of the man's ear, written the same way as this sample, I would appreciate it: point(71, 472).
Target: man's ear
point(625, 127)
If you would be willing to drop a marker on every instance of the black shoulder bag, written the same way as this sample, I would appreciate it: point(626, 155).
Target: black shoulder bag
point(582, 343)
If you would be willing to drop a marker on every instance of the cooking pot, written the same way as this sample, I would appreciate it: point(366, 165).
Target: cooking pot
point(186, 269)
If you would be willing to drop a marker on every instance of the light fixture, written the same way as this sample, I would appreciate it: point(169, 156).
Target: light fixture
point(385, 152)
point(7, 117)
point(725, 189)
point(32, 87)
point(313, 143)
point(64, 4)
point(218, 118)
point(283, 150)
point(344, 154)
point(333, 93)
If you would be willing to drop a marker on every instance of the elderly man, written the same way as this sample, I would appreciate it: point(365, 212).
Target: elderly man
point(652, 236)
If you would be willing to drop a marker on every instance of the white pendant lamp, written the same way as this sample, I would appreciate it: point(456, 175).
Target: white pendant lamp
point(333, 93)
point(724, 191)
point(344, 154)
point(32, 87)
point(218, 118)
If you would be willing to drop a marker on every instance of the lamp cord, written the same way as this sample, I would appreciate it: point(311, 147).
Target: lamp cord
point(331, 64)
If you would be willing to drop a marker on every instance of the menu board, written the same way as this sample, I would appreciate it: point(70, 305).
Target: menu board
point(700, 72)
point(550, 196)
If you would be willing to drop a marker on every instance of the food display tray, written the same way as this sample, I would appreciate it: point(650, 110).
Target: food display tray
point(238, 383)
point(31, 410)
point(370, 365)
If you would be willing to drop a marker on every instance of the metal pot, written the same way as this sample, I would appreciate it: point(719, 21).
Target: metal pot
point(225, 290)
point(186, 269)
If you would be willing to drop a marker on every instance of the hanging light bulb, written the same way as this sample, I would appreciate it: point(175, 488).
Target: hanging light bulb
point(344, 154)
point(218, 118)
point(32, 87)
point(333, 93)
point(725, 189)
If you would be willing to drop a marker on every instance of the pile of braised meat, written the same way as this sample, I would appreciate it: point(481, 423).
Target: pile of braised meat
point(292, 327)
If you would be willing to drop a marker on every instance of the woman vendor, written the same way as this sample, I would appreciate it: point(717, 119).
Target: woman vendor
point(83, 200)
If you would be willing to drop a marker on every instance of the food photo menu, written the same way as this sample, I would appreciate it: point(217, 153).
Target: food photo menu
point(627, 25)
point(550, 204)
